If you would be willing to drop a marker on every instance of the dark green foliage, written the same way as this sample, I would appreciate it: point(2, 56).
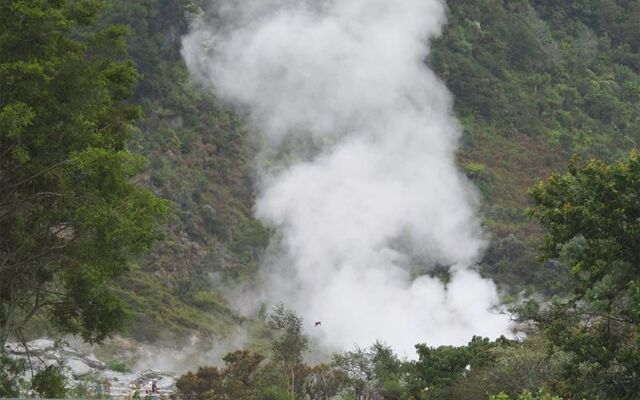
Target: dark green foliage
point(118, 366)
point(70, 216)
point(594, 208)
point(235, 381)
point(526, 395)
point(200, 162)
point(195, 386)
point(10, 376)
point(546, 69)
point(592, 215)
point(535, 81)
point(285, 376)
point(524, 109)
point(439, 369)
point(471, 372)
point(50, 382)
point(377, 373)
point(514, 261)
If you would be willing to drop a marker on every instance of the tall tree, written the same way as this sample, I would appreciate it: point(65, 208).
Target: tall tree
point(288, 343)
point(70, 215)
point(592, 216)
point(235, 381)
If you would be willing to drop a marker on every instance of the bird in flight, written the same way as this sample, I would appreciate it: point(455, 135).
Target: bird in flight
point(318, 323)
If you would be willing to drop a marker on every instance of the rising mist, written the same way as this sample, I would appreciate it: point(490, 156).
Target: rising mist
point(357, 168)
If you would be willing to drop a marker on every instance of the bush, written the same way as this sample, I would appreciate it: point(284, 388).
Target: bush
point(118, 366)
point(274, 393)
point(475, 170)
point(10, 371)
point(50, 382)
point(526, 395)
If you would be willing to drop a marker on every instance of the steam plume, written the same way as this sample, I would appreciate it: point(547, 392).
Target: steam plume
point(358, 172)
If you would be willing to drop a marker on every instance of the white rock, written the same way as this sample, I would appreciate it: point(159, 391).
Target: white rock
point(13, 348)
point(50, 361)
point(68, 351)
point(119, 379)
point(39, 364)
point(37, 346)
point(77, 366)
point(93, 362)
point(69, 375)
point(41, 345)
point(166, 383)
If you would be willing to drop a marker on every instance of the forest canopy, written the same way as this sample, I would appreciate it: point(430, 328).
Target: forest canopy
point(101, 88)
point(70, 214)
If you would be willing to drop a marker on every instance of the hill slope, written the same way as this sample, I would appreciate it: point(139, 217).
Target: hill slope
point(535, 82)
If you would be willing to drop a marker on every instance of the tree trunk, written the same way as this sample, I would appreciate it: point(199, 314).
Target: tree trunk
point(6, 321)
point(293, 384)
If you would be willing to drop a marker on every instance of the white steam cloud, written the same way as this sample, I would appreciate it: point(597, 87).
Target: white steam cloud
point(358, 171)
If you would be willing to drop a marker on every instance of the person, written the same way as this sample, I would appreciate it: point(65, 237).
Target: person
point(98, 390)
point(147, 391)
point(154, 390)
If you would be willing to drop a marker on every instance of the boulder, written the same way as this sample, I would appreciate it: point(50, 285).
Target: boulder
point(166, 383)
point(13, 348)
point(40, 346)
point(93, 362)
point(68, 351)
point(38, 364)
point(77, 366)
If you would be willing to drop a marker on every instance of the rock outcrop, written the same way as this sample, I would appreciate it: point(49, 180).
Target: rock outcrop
point(86, 369)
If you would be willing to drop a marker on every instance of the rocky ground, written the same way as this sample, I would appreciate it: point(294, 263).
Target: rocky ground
point(86, 369)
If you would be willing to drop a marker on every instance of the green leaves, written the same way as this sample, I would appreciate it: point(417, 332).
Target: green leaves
point(14, 118)
point(596, 201)
point(546, 68)
point(235, 381)
point(592, 216)
point(11, 379)
point(526, 395)
point(70, 216)
point(50, 382)
point(289, 343)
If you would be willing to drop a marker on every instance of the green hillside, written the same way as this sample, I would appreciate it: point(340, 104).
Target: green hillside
point(535, 82)
point(138, 217)
point(199, 158)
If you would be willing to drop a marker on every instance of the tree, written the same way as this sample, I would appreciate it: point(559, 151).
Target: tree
point(239, 374)
point(359, 369)
point(441, 367)
point(196, 386)
point(322, 382)
point(50, 382)
point(592, 217)
point(235, 381)
point(288, 342)
point(375, 373)
point(11, 380)
point(70, 215)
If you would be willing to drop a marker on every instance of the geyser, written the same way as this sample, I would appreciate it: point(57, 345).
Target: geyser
point(357, 169)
